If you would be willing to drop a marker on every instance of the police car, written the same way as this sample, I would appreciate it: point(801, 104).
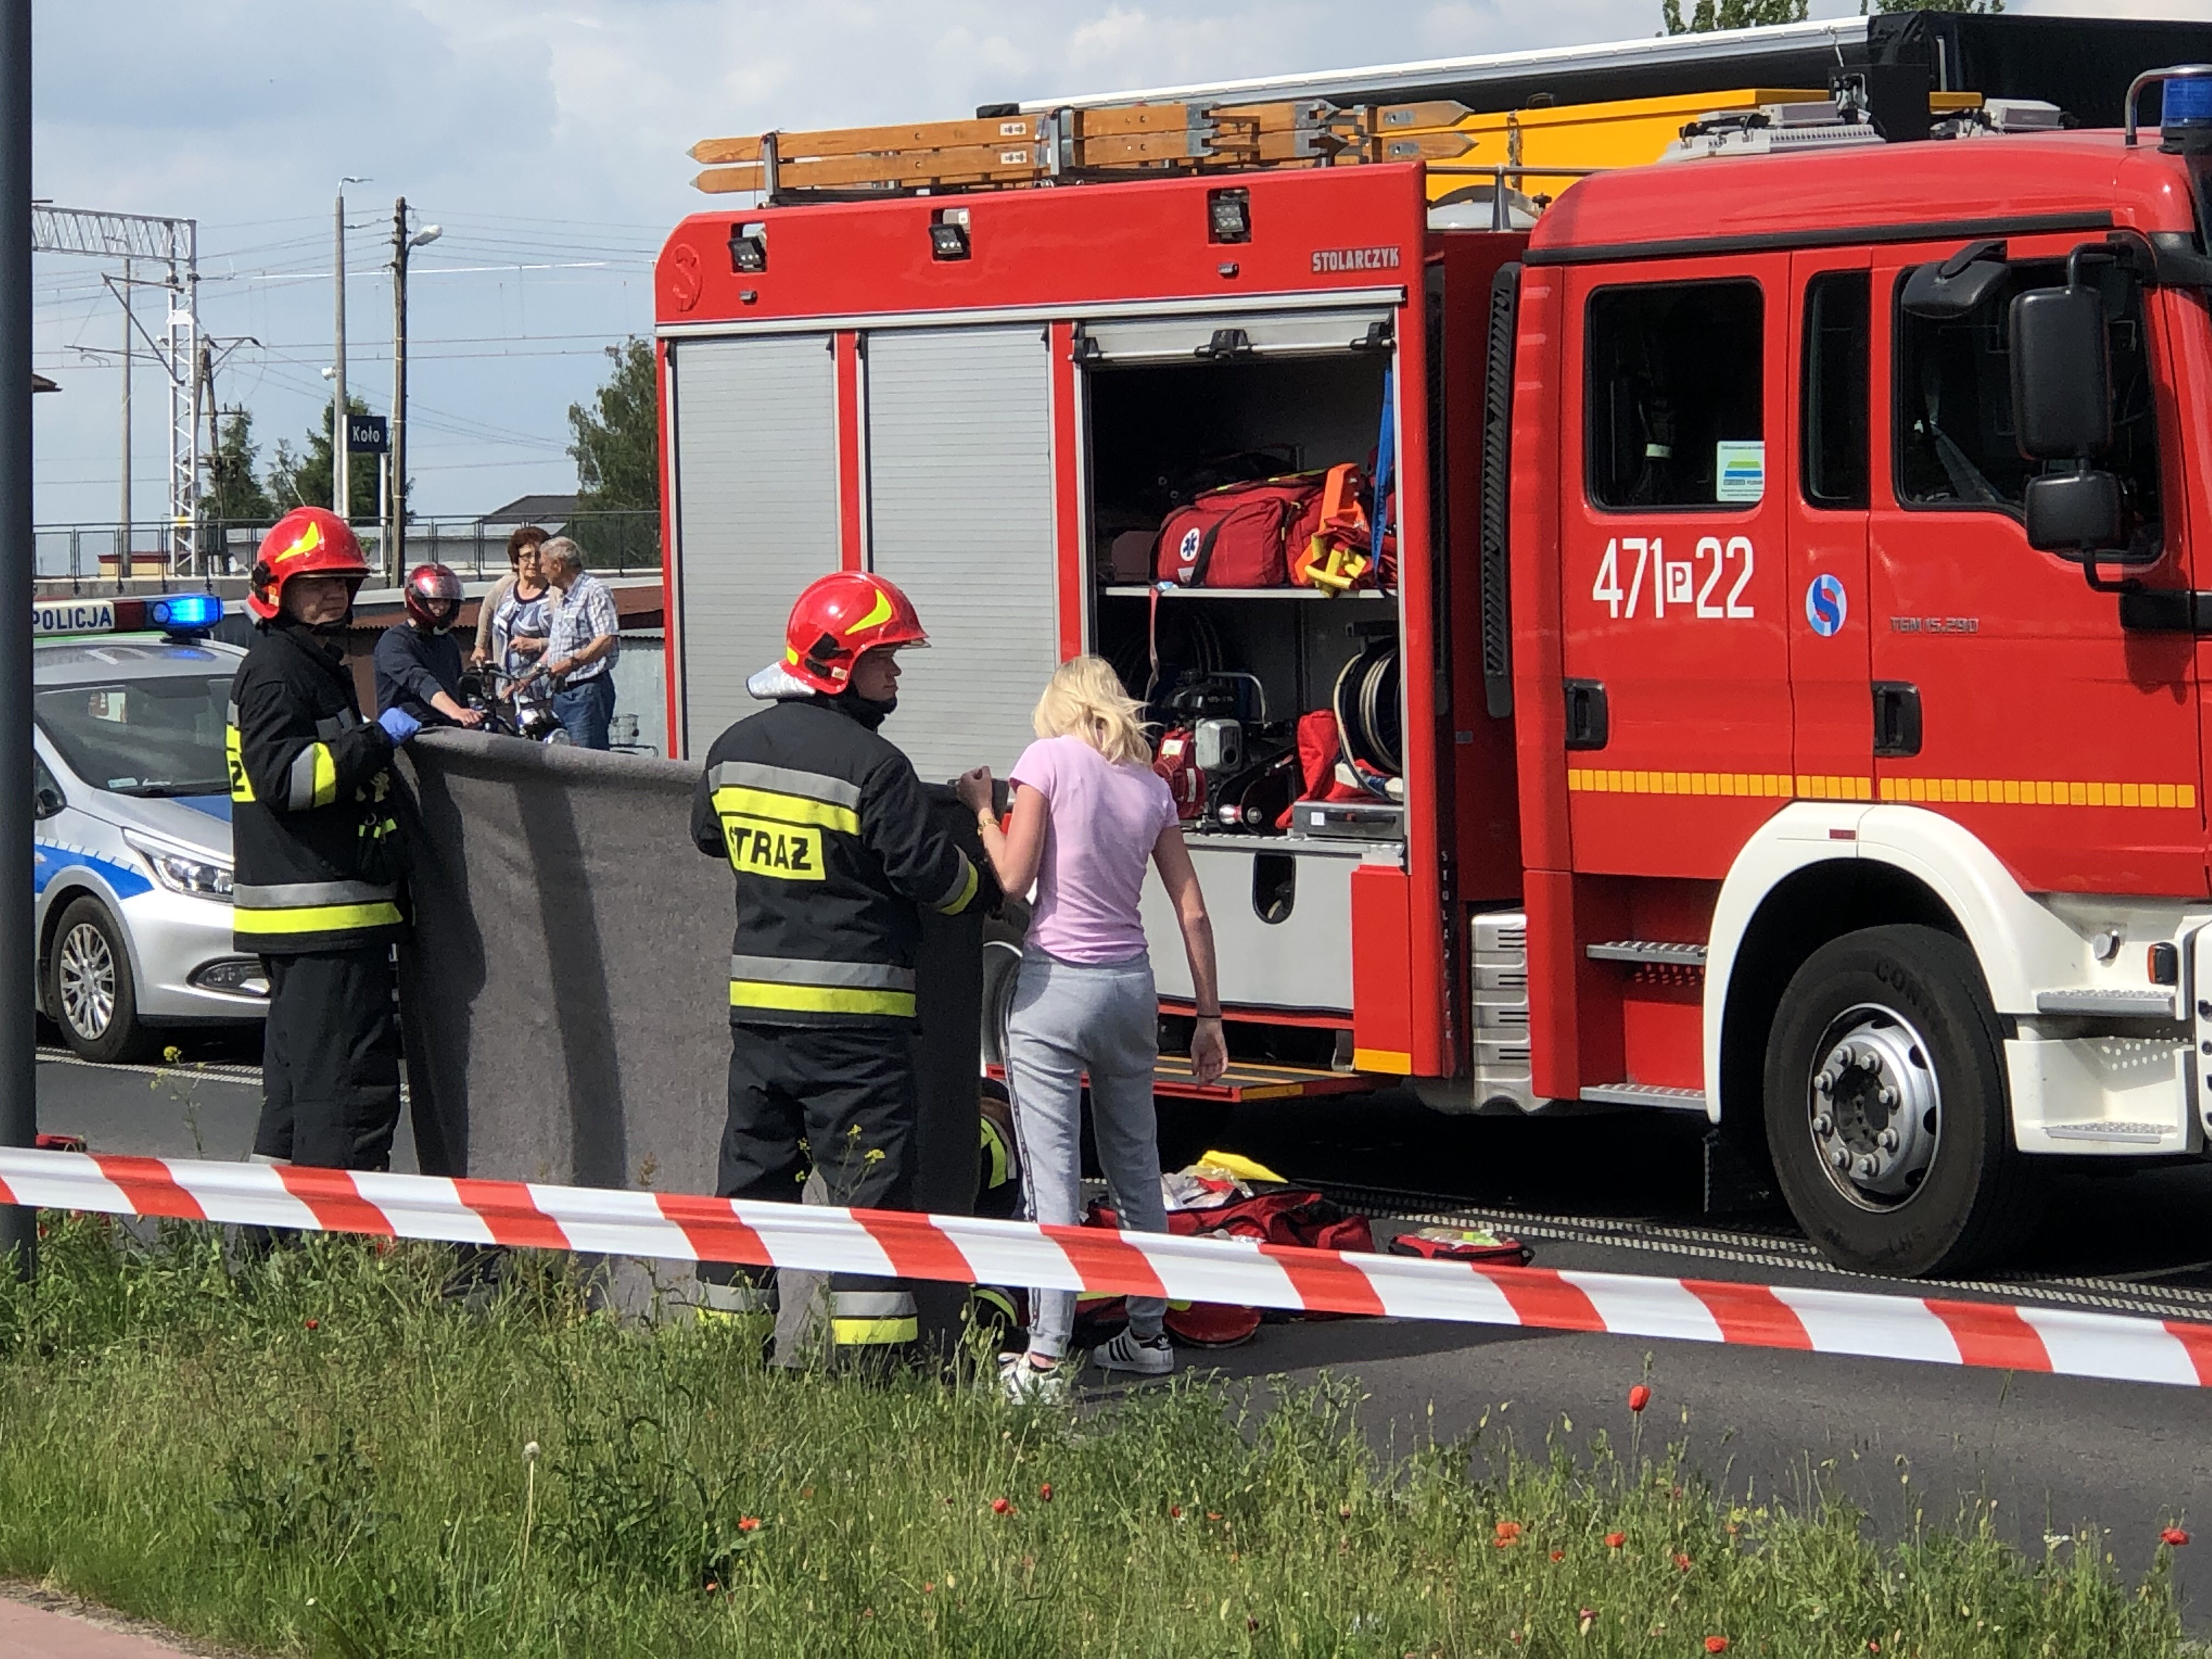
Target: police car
point(132, 870)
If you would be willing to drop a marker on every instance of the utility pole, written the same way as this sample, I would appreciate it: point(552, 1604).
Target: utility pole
point(341, 473)
point(19, 1076)
point(123, 507)
point(395, 458)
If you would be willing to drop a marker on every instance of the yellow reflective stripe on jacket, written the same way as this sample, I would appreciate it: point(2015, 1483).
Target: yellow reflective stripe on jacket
point(963, 891)
point(874, 1333)
point(318, 918)
point(313, 780)
point(818, 999)
point(734, 802)
point(241, 786)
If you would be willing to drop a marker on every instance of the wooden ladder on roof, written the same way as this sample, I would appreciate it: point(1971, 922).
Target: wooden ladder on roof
point(1072, 145)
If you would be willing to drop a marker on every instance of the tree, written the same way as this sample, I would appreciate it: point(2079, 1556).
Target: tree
point(618, 447)
point(302, 478)
point(233, 493)
point(1712, 15)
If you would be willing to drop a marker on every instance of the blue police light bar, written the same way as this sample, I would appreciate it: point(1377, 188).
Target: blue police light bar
point(2186, 105)
point(184, 613)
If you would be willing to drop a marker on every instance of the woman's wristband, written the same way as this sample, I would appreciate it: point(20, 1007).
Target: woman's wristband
point(985, 821)
point(1216, 1015)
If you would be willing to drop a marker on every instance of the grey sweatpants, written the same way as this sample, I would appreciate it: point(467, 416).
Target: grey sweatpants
point(1069, 1018)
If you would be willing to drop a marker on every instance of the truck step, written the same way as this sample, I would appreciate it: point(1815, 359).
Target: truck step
point(2148, 1002)
point(1646, 1093)
point(1648, 950)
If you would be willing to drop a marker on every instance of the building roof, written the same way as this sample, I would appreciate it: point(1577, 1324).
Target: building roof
point(533, 509)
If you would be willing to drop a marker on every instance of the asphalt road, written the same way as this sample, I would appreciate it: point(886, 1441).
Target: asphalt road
point(1897, 1439)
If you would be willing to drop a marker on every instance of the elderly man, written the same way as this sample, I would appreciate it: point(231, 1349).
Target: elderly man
point(580, 656)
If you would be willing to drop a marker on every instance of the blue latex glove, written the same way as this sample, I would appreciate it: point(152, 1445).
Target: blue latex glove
point(398, 724)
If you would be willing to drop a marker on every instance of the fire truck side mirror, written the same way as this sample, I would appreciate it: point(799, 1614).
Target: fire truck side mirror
point(2061, 375)
point(2061, 398)
point(2074, 514)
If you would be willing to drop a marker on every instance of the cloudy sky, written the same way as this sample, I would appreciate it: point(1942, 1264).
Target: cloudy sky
point(549, 143)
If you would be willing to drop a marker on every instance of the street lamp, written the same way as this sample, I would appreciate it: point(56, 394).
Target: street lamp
point(395, 460)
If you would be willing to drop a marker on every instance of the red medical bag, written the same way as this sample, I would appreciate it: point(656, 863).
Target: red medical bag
point(1239, 535)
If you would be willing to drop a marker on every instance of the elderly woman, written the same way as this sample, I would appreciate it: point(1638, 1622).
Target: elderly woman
point(525, 540)
point(1089, 814)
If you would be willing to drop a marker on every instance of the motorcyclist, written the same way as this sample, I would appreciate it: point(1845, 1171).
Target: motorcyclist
point(418, 664)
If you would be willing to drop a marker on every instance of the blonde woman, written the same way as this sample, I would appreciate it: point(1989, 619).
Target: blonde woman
point(1088, 813)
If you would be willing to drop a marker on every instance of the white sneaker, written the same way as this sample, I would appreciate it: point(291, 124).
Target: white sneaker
point(1147, 1356)
point(1023, 1382)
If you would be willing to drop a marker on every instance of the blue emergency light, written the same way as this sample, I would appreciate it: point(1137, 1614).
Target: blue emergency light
point(184, 613)
point(2185, 107)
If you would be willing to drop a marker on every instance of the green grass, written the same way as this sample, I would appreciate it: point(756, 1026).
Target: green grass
point(317, 1455)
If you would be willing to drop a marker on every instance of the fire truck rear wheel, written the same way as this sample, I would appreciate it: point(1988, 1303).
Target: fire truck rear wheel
point(1886, 1108)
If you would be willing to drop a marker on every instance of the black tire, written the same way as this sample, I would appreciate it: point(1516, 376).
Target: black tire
point(1919, 1110)
point(90, 990)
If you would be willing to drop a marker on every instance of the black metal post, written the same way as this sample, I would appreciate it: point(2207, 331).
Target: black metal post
point(19, 954)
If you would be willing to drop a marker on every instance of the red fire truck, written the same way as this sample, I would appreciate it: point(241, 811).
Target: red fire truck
point(1783, 703)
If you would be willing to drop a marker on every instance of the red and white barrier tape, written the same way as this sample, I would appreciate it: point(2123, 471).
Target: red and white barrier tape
point(968, 1250)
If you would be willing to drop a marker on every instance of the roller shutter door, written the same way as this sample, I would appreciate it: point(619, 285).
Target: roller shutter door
point(755, 501)
point(1267, 334)
point(960, 510)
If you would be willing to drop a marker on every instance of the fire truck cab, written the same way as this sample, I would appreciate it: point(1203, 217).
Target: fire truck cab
point(1781, 705)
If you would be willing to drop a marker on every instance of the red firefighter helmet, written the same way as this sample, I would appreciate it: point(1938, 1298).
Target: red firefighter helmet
point(837, 619)
point(433, 596)
point(308, 541)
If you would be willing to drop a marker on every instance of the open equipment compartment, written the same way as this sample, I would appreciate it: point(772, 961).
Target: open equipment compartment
point(1172, 408)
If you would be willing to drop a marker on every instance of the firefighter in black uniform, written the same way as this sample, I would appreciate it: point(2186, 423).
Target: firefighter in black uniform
point(317, 894)
point(829, 832)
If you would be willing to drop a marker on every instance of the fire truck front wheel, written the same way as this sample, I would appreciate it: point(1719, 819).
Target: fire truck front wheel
point(1886, 1106)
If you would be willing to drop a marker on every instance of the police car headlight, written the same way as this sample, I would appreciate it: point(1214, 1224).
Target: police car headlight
point(180, 872)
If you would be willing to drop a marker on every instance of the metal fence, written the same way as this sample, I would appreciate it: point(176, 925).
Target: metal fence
point(92, 557)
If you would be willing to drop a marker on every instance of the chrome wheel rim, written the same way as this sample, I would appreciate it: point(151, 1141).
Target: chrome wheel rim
point(1874, 1110)
point(86, 976)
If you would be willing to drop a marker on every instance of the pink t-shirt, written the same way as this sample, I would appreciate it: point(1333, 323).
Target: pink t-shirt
point(1100, 821)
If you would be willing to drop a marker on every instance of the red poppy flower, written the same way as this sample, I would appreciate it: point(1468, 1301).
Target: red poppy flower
point(1638, 1397)
point(1682, 1562)
point(1002, 1506)
point(1559, 1555)
point(1175, 1511)
point(1509, 1534)
point(749, 1523)
point(2173, 1535)
point(314, 1324)
point(929, 1586)
point(1044, 1492)
point(1716, 1644)
point(1613, 1541)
